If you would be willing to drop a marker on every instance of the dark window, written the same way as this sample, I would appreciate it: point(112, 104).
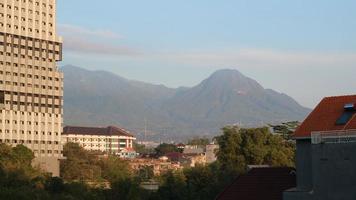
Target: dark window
point(349, 111)
point(2, 97)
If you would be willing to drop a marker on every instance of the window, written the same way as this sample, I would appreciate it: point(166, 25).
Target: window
point(2, 97)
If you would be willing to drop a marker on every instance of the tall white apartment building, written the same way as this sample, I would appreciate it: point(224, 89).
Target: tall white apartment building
point(31, 86)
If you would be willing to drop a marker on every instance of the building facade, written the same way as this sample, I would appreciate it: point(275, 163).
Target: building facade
point(31, 86)
point(325, 157)
point(111, 140)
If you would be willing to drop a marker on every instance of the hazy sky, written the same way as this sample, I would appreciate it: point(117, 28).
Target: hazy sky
point(304, 48)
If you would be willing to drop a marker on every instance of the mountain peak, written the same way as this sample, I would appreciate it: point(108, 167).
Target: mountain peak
point(231, 79)
point(227, 73)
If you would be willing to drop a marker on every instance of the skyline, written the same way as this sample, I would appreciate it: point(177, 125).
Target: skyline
point(271, 42)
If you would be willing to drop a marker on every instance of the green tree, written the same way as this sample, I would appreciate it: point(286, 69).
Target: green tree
point(79, 164)
point(202, 183)
point(142, 149)
point(199, 141)
point(285, 129)
point(173, 186)
point(145, 173)
point(255, 146)
point(114, 169)
point(165, 148)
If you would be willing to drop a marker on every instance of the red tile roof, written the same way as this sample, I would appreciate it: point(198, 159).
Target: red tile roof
point(260, 183)
point(325, 115)
point(108, 131)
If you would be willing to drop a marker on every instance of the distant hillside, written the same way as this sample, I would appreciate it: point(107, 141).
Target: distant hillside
point(101, 98)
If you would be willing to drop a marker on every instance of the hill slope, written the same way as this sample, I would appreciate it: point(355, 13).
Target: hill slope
point(101, 98)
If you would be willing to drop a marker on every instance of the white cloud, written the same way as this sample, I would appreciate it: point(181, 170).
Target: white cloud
point(83, 46)
point(87, 41)
point(262, 58)
point(71, 30)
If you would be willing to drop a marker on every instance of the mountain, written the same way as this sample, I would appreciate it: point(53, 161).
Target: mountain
point(99, 98)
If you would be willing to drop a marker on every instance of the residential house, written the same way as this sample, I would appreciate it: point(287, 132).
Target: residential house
point(326, 149)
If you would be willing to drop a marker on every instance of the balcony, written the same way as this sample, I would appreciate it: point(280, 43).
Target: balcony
point(340, 136)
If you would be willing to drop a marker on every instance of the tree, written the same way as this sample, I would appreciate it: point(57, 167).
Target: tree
point(173, 186)
point(142, 149)
point(79, 164)
point(202, 183)
point(255, 146)
point(146, 173)
point(199, 141)
point(285, 129)
point(165, 148)
point(114, 169)
point(17, 161)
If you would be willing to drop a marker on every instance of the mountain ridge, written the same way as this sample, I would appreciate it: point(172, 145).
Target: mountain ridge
point(100, 98)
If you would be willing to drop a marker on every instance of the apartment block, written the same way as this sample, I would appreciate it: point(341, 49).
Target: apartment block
point(31, 86)
point(110, 140)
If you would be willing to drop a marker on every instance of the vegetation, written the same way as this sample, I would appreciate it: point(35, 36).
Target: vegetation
point(142, 149)
point(285, 129)
point(238, 149)
point(199, 141)
point(165, 148)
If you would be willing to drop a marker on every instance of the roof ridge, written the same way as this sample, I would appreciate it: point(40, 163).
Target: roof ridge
point(348, 95)
point(325, 115)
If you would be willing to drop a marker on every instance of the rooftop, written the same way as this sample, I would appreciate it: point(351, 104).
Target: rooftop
point(260, 183)
point(101, 131)
point(332, 114)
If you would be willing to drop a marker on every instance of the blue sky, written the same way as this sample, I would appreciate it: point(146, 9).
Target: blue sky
point(306, 49)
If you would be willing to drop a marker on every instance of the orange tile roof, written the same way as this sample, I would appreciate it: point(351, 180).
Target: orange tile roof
point(325, 115)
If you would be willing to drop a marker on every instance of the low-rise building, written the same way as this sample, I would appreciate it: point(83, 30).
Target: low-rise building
point(326, 147)
point(111, 140)
point(159, 166)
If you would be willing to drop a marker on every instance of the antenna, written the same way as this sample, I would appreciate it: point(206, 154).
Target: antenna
point(145, 129)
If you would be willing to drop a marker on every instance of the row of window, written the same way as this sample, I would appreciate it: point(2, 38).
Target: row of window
point(28, 142)
point(96, 140)
point(24, 29)
point(30, 11)
point(23, 66)
point(35, 50)
point(15, 122)
point(23, 75)
point(98, 145)
point(23, 56)
point(30, 104)
point(29, 40)
point(37, 3)
point(44, 87)
point(7, 112)
point(37, 22)
point(7, 131)
point(32, 95)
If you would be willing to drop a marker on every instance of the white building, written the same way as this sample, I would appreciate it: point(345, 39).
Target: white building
point(112, 140)
point(31, 86)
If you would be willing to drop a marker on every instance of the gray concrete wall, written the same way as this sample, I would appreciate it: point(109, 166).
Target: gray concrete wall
point(332, 173)
point(304, 165)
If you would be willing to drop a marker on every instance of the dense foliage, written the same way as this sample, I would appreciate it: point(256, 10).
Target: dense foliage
point(285, 129)
point(89, 176)
point(199, 141)
point(165, 148)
